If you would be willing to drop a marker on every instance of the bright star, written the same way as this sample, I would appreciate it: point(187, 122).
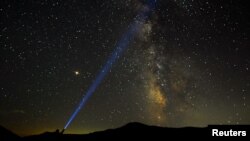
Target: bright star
point(76, 72)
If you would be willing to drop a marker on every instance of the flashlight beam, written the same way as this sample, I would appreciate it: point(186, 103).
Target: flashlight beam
point(120, 47)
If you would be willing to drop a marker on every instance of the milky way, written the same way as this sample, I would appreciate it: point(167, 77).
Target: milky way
point(187, 66)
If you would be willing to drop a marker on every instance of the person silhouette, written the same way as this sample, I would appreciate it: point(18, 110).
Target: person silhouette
point(62, 131)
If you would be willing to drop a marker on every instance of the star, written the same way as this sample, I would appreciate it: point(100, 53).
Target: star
point(76, 72)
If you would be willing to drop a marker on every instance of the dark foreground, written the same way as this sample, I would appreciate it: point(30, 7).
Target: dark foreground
point(129, 131)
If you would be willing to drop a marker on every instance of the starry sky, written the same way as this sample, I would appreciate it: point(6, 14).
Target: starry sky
point(188, 65)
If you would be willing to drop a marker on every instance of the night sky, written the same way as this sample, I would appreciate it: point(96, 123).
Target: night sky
point(188, 65)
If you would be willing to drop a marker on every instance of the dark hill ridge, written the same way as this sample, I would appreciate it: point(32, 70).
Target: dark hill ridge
point(7, 135)
point(129, 131)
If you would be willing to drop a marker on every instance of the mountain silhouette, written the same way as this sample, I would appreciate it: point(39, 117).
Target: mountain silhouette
point(8, 135)
point(129, 131)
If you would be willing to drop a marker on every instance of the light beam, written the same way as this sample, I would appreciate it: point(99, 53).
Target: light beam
point(120, 47)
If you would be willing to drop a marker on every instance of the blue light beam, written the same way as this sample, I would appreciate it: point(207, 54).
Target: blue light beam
point(120, 47)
